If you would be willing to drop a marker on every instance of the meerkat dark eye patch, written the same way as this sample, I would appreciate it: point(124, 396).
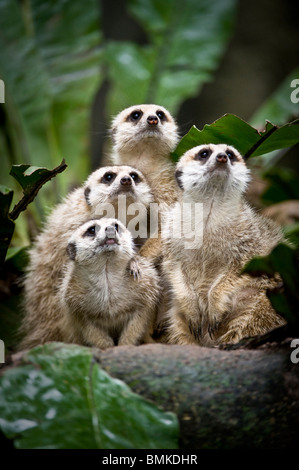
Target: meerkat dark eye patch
point(231, 155)
point(135, 177)
point(203, 154)
point(178, 175)
point(86, 194)
point(161, 115)
point(135, 116)
point(108, 177)
point(71, 250)
point(90, 232)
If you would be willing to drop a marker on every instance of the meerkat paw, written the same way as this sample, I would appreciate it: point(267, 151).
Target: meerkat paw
point(232, 336)
point(135, 270)
point(213, 324)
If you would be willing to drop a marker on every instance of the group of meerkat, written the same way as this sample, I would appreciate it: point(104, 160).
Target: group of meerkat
point(97, 280)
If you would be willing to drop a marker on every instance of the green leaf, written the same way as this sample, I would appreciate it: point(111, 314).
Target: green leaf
point(292, 234)
point(31, 180)
point(232, 130)
point(49, 63)
point(59, 398)
point(283, 185)
point(283, 259)
point(186, 41)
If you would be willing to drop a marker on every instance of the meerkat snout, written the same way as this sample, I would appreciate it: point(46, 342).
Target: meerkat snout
point(221, 158)
point(111, 230)
point(152, 120)
point(126, 181)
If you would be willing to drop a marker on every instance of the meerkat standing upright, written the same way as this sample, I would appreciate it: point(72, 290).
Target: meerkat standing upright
point(144, 136)
point(99, 196)
point(102, 304)
point(211, 301)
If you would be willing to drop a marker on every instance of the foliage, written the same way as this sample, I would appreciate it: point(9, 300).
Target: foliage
point(185, 42)
point(49, 63)
point(59, 398)
point(283, 260)
point(31, 180)
point(234, 131)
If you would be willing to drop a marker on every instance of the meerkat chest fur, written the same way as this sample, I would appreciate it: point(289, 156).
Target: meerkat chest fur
point(98, 284)
point(101, 288)
point(224, 232)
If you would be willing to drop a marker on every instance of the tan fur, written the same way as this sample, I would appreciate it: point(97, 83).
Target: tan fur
point(48, 254)
point(211, 301)
point(103, 304)
point(147, 144)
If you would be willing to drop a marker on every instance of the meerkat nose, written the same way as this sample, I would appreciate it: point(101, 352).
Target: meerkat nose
point(152, 120)
point(110, 231)
point(221, 158)
point(126, 181)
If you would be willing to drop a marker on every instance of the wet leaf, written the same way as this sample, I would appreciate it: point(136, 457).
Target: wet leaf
point(185, 43)
point(59, 398)
point(232, 130)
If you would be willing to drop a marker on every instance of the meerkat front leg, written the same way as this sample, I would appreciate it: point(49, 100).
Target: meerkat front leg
point(180, 329)
point(134, 269)
point(97, 337)
point(135, 330)
point(183, 319)
point(219, 300)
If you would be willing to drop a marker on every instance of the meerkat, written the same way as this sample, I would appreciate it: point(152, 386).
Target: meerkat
point(102, 194)
point(144, 136)
point(102, 304)
point(211, 301)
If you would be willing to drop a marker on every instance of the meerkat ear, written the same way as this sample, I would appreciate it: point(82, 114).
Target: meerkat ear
point(86, 194)
point(177, 175)
point(71, 250)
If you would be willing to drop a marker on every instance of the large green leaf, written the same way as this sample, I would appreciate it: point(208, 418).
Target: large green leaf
point(232, 130)
point(59, 398)
point(31, 179)
point(49, 63)
point(185, 44)
point(283, 259)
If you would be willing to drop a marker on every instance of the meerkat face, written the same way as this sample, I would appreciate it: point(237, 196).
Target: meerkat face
point(107, 183)
point(141, 123)
point(212, 167)
point(100, 237)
